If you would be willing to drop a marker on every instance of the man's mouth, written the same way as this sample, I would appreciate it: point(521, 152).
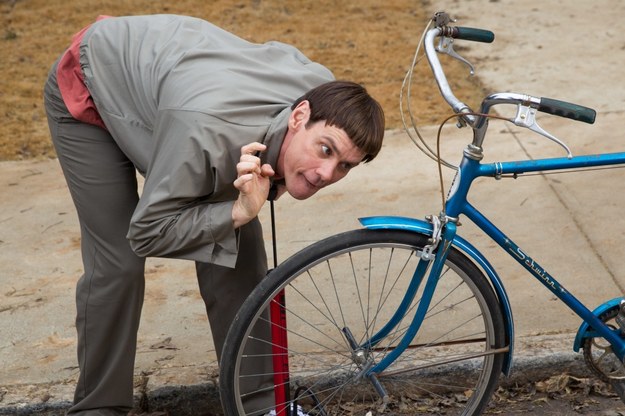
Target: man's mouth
point(315, 185)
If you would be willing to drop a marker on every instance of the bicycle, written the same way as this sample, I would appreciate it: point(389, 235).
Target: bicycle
point(405, 316)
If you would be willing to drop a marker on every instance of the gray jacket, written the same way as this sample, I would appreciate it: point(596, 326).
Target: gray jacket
point(181, 96)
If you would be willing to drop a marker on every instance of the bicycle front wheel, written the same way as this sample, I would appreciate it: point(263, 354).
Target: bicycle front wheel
point(342, 296)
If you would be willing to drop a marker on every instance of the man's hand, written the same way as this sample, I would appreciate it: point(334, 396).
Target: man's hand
point(253, 184)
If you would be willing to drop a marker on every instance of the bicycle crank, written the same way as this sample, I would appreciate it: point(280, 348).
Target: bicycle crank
point(601, 359)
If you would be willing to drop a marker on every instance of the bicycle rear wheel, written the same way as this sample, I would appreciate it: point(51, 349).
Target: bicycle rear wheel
point(355, 281)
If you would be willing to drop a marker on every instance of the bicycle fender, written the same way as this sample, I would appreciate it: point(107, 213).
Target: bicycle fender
point(425, 228)
point(585, 331)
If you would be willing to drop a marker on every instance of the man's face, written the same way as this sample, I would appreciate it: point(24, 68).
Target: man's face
point(315, 157)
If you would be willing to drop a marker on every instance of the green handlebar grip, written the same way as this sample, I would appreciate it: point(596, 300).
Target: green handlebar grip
point(476, 35)
point(568, 110)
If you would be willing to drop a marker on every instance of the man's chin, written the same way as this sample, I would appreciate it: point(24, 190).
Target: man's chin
point(301, 194)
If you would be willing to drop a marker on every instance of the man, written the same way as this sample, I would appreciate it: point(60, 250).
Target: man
point(213, 122)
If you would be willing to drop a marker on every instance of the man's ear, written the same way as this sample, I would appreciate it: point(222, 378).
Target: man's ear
point(300, 115)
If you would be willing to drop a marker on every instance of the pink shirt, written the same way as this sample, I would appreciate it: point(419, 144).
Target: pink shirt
point(72, 84)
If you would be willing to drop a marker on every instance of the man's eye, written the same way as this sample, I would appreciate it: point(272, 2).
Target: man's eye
point(326, 150)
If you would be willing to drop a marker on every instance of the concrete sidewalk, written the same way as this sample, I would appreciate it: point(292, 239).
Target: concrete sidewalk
point(571, 224)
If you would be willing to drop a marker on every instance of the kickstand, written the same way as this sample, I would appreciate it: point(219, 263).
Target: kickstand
point(619, 388)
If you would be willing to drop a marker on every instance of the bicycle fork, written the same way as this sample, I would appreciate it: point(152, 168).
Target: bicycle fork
point(433, 256)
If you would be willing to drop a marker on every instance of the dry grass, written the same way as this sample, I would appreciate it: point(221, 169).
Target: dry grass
point(367, 41)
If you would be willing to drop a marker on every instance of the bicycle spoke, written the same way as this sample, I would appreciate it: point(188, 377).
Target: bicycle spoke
point(358, 291)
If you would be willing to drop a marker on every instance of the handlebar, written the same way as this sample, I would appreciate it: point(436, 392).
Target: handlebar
point(469, 33)
point(568, 110)
point(527, 104)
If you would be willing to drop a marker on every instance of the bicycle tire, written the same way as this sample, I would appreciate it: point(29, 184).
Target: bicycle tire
point(368, 269)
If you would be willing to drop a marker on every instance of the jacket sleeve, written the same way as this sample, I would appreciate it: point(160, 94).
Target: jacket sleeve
point(185, 210)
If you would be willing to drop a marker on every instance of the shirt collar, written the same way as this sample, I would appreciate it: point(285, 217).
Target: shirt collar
point(275, 137)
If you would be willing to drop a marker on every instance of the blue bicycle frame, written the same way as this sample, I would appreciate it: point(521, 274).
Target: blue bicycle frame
point(442, 230)
point(457, 204)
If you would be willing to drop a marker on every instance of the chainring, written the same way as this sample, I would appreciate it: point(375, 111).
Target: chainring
point(599, 356)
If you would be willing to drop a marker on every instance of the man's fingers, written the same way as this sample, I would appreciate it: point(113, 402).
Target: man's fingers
point(252, 148)
point(242, 180)
point(252, 183)
point(249, 158)
point(247, 177)
point(267, 171)
point(252, 166)
point(249, 162)
point(248, 167)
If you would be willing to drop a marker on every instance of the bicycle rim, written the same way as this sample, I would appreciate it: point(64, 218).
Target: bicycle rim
point(356, 281)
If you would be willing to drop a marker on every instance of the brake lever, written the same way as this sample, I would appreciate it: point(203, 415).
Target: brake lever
point(526, 117)
point(446, 46)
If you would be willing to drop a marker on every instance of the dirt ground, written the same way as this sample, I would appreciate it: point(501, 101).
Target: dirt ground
point(557, 396)
point(366, 41)
point(561, 395)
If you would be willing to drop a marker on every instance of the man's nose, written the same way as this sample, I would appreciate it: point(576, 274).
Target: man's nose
point(326, 172)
